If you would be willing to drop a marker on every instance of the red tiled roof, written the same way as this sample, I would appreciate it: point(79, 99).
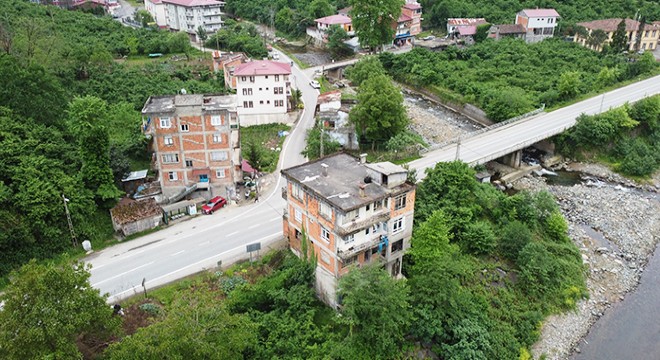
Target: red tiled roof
point(245, 166)
point(467, 30)
point(412, 6)
point(262, 67)
point(466, 21)
point(610, 25)
point(404, 18)
point(190, 3)
point(334, 19)
point(540, 13)
point(129, 210)
point(511, 29)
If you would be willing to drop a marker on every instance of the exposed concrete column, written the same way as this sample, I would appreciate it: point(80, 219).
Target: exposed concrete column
point(513, 160)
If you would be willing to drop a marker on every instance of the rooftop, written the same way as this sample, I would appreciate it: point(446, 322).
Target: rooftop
point(135, 175)
point(334, 19)
point(190, 3)
point(539, 13)
point(329, 96)
point(412, 6)
point(170, 103)
point(610, 25)
point(262, 67)
point(341, 186)
point(129, 210)
point(511, 29)
point(467, 30)
point(404, 18)
point(466, 21)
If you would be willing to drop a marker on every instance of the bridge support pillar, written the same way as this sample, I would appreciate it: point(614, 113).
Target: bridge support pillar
point(337, 73)
point(514, 159)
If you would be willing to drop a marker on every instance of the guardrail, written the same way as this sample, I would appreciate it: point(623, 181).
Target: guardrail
point(483, 130)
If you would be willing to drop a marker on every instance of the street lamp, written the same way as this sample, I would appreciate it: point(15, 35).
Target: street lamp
point(74, 240)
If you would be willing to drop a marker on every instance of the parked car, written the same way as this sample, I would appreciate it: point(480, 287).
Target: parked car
point(430, 37)
point(214, 204)
point(315, 84)
point(276, 56)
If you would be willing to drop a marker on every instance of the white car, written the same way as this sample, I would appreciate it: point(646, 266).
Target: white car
point(315, 84)
point(276, 56)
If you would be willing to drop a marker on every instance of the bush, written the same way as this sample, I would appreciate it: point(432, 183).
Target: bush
point(151, 309)
point(479, 238)
point(515, 236)
point(228, 284)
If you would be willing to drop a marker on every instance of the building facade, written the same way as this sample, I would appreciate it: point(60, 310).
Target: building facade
point(195, 143)
point(263, 89)
point(351, 214)
point(650, 35)
point(455, 24)
point(189, 15)
point(539, 24)
point(157, 10)
point(413, 10)
point(227, 62)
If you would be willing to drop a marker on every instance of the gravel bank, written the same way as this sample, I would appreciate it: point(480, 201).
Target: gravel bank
point(604, 222)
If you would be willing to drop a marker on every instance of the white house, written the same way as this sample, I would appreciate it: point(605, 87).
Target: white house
point(539, 23)
point(157, 10)
point(263, 88)
point(189, 15)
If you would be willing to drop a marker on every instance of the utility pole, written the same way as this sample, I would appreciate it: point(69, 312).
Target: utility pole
point(74, 240)
point(458, 148)
point(601, 104)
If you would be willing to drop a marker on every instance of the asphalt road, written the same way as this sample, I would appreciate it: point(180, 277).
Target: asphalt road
point(188, 247)
point(493, 144)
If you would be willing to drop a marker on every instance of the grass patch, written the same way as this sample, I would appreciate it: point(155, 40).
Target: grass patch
point(298, 62)
point(266, 138)
point(325, 85)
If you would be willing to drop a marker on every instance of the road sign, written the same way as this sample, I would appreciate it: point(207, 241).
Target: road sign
point(253, 247)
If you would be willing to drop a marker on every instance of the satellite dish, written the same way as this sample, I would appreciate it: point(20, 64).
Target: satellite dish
point(87, 245)
point(183, 91)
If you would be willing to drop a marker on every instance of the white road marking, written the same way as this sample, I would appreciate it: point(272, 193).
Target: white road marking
point(204, 243)
point(122, 274)
point(254, 226)
point(177, 253)
point(234, 233)
point(275, 218)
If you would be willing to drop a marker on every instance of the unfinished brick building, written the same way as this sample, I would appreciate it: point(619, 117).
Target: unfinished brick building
point(352, 213)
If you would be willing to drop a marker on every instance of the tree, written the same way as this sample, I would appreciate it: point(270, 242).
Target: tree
point(374, 304)
point(597, 38)
point(372, 20)
point(313, 148)
point(336, 37)
point(364, 69)
point(404, 144)
point(202, 35)
point(379, 114)
point(47, 307)
point(620, 39)
point(254, 155)
point(569, 84)
point(482, 33)
point(507, 102)
point(320, 8)
point(196, 327)
point(178, 42)
point(143, 17)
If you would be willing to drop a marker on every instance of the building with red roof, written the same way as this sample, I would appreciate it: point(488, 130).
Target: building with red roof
point(539, 24)
point(647, 38)
point(263, 89)
point(189, 15)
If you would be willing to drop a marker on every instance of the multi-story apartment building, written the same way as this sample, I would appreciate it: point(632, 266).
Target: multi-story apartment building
point(650, 35)
point(227, 62)
point(319, 33)
point(189, 15)
point(352, 213)
point(539, 24)
point(157, 10)
point(195, 141)
point(263, 90)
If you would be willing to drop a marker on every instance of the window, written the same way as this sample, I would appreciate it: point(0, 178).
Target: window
point(243, 78)
point(279, 103)
point(646, 33)
point(325, 234)
point(217, 138)
point(368, 207)
point(260, 89)
point(325, 210)
point(189, 163)
point(218, 155)
point(216, 120)
point(378, 204)
point(397, 225)
point(251, 78)
point(168, 141)
point(325, 257)
point(367, 255)
point(220, 174)
point(400, 202)
point(367, 230)
point(172, 176)
point(298, 215)
point(266, 76)
point(349, 238)
point(350, 260)
point(165, 123)
point(245, 104)
point(185, 128)
point(268, 102)
point(250, 104)
point(261, 102)
point(170, 158)
point(296, 191)
point(277, 78)
point(247, 91)
point(397, 246)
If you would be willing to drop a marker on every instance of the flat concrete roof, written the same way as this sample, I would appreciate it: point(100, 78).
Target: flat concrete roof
point(169, 103)
point(386, 168)
point(341, 186)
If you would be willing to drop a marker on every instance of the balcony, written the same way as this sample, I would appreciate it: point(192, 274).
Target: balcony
point(284, 193)
point(380, 241)
point(356, 224)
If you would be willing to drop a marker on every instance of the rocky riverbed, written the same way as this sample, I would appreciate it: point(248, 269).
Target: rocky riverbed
point(616, 228)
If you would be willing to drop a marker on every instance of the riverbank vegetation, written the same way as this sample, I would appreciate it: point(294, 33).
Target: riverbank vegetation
point(627, 138)
point(508, 78)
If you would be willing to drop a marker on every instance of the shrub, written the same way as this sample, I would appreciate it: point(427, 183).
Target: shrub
point(515, 236)
point(479, 238)
point(151, 309)
point(228, 284)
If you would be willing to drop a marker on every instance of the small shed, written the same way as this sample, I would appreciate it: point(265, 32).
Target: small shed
point(134, 179)
point(181, 208)
point(131, 216)
point(483, 176)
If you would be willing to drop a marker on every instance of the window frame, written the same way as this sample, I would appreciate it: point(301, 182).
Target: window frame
point(184, 128)
point(168, 141)
point(400, 201)
point(216, 120)
point(325, 234)
point(166, 120)
point(173, 176)
point(170, 158)
point(218, 172)
point(398, 225)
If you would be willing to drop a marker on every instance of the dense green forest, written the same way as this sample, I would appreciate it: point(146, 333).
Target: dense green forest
point(69, 120)
point(628, 138)
point(484, 270)
point(509, 77)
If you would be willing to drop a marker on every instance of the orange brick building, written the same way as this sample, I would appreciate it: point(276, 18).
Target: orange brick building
point(352, 212)
point(195, 140)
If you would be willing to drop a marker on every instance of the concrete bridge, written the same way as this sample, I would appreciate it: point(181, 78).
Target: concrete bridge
point(507, 141)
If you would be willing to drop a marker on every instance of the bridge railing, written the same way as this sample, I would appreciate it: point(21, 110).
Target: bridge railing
point(483, 130)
